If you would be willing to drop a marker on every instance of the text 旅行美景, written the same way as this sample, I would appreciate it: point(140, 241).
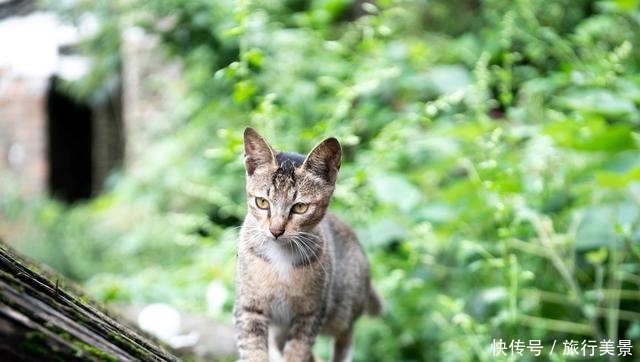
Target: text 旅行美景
point(585, 348)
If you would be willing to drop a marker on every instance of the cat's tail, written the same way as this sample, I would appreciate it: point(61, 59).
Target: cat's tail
point(374, 305)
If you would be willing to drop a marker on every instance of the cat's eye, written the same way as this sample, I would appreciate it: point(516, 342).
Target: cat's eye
point(299, 208)
point(262, 203)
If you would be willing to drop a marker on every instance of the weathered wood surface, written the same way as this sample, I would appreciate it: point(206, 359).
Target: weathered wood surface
point(43, 318)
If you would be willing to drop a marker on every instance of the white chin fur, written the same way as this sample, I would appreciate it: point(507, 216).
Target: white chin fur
point(281, 258)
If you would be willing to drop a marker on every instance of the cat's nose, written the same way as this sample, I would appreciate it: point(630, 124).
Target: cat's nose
point(276, 232)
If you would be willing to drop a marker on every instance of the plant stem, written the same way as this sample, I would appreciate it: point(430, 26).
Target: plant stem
point(543, 232)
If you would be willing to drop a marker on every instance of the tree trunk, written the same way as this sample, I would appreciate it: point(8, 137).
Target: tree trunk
point(43, 320)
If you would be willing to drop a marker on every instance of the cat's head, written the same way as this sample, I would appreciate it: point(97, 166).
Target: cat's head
point(288, 194)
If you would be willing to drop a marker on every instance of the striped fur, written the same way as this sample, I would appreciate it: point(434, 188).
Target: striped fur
point(300, 270)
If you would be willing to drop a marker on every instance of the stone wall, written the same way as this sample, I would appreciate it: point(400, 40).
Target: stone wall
point(139, 111)
point(27, 58)
point(22, 133)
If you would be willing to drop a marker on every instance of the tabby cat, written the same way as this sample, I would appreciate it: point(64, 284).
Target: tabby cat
point(300, 270)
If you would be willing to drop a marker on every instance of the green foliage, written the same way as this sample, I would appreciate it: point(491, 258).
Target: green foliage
point(102, 44)
point(491, 166)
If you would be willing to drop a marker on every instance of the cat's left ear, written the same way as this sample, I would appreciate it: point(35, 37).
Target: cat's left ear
point(257, 151)
point(324, 160)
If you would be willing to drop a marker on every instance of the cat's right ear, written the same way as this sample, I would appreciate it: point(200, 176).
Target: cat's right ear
point(257, 151)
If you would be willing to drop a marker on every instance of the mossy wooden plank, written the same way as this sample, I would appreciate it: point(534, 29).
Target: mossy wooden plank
point(42, 319)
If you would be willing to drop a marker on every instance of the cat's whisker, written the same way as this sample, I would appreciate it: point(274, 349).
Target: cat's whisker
point(308, 248)
point(303, 249)
point(255, 235)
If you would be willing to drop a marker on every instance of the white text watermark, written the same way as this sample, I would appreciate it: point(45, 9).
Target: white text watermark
point(585, 348)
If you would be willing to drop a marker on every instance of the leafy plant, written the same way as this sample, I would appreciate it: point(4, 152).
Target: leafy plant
point(491, 166)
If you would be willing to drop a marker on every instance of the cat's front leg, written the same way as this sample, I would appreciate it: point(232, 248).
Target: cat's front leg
point(252, 333)
point(301, 337)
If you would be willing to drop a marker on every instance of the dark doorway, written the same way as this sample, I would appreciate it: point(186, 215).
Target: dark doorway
point(70, 139)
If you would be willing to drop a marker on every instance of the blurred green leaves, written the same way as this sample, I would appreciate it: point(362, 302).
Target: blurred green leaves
point(491, 163)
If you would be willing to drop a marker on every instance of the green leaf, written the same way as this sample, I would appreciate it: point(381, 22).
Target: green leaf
point(597, 257)
point(620, 170)
point(599, 101)
point(595, 229)
point(616, 180)
point(382, 232)
point(395, 190)
point(254, 57)
point(623, 162)
point(447, 79)
point(599, 225)
point(243, 91)
point(594, 134)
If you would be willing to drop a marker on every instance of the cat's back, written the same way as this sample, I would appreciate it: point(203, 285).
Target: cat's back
point(350, 287)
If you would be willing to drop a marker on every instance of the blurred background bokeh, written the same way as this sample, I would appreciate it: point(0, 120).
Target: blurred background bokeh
point(491, 156)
